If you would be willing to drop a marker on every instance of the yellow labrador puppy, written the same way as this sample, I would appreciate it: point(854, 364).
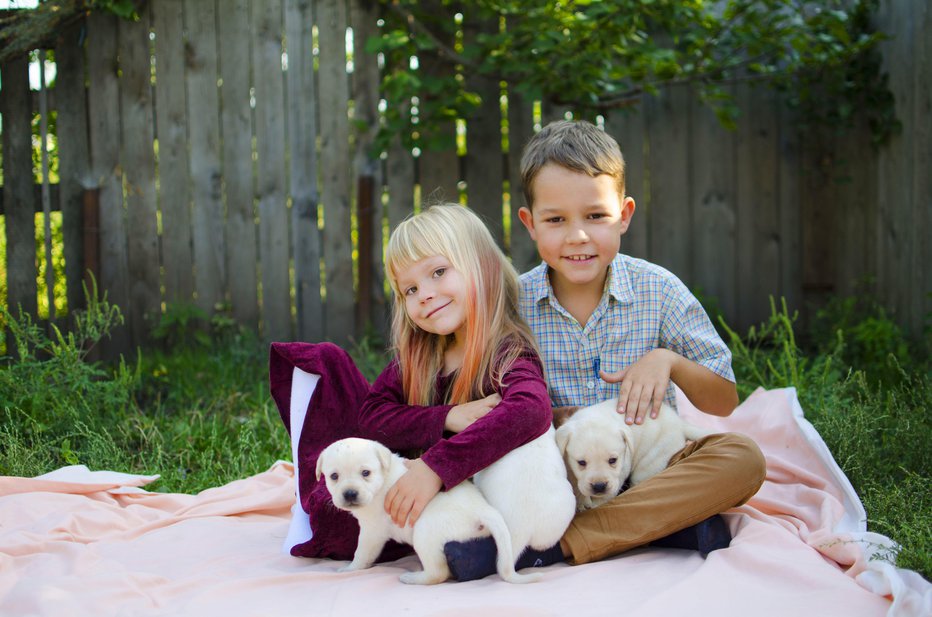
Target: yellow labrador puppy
point(528, 486)
point(601, 452)
point(359, 473)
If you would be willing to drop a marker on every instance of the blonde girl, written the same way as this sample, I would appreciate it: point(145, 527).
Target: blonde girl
point(464, 388)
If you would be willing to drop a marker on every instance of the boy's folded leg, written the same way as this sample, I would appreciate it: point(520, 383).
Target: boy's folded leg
point(705, 536)
point(532, 558)
point(472, 559)
point(705, 478)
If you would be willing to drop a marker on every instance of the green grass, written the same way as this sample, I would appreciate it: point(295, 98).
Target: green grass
point(200, 413)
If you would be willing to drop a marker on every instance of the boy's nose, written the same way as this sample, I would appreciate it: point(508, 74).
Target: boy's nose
point(578, 234)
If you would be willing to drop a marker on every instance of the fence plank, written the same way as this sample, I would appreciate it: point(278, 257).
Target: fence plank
point(204, 141)
point(669, 216)
point(520, 129)
point(302, 137)
point(484, 162)
point(236, 129)
point(171, 131)
point(758, 217)
point(270, 146)
point(138, 165)
point(627, 127)
point(372, 309)
point(399, 177)
point(103, 109)
point(18, 182)
point(437, 166)
point(712, 156)
point(922, 179)
point(789, 188)
point(335, 189)
point(73, 171)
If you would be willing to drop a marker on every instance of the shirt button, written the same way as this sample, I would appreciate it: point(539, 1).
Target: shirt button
point(590, 385)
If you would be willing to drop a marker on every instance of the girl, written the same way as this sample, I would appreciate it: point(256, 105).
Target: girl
point(464, 388)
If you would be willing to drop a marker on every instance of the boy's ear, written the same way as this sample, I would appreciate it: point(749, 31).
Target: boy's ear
point(527, 218)
point(627, 211)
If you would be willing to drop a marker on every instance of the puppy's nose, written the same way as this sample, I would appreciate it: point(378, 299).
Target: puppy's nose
point(598, 487)
point(350, 496)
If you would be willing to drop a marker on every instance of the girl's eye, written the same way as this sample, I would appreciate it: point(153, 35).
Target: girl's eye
point(365, 473)
point(612, 461)
point(439, 272)
point(410, 291)
point(334, 476)
point(582, 464)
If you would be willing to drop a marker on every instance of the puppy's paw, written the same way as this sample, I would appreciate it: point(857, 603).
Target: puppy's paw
point(420, 578)
point(351, 567)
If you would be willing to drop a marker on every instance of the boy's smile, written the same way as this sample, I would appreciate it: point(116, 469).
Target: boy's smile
point(577, 222)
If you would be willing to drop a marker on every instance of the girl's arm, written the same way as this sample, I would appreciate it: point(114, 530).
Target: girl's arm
point(524, 414)
point(386, 417)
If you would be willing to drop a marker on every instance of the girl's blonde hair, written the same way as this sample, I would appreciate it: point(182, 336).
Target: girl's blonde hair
point(495, 333)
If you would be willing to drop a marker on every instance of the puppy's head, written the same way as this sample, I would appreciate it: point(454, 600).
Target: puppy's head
point(597, 453)
point(354, 470)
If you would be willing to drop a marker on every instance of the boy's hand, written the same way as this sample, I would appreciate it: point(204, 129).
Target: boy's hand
point(461, 416)
point(643, 385)
point(411, 493)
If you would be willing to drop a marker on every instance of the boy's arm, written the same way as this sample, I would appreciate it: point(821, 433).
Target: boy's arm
point(644, 385)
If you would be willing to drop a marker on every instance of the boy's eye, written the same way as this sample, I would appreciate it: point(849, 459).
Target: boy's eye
point(612, 461)
point(554, 219)
point(582, 464)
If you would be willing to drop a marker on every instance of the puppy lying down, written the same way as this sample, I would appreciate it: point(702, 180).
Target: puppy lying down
point(601, 451)
point(359, 473)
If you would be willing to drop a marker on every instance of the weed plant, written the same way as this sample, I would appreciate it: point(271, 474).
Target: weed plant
point(197, 410)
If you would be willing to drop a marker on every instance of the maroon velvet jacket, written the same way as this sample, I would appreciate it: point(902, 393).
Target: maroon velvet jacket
point(523, 415)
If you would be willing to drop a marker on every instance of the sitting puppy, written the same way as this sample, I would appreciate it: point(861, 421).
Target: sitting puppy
point(528, 486)
point(359, 473)
point(601, 451)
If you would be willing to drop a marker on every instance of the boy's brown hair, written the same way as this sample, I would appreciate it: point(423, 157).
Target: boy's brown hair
point(576, 145)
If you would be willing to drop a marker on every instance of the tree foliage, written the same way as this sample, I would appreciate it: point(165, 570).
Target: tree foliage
point(597, 57)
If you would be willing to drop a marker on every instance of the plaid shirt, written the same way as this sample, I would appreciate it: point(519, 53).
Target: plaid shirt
point(642, 308)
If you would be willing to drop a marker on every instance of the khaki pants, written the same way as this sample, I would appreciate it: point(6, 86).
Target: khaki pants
point(706, 477)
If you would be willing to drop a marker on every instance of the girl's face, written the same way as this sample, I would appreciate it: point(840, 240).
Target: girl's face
point(435, 296)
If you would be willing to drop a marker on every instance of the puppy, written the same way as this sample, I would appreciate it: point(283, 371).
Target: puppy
point(601, 451)
point(359, 473)
point(529, 487)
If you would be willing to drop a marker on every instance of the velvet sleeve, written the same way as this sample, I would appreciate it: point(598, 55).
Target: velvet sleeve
point(524, 414)
point(386, 417)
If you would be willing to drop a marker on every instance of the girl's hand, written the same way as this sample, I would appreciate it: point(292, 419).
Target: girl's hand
point(461, 416)
point(411, 493)
point(643, 385)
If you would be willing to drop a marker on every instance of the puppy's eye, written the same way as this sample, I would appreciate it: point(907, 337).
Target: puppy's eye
point(612, 461)
point(582, 464)
point(334, 476)
point(365, 473)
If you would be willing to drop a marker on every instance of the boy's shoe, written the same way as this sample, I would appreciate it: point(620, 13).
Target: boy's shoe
point(706, 536)
point(532, 558)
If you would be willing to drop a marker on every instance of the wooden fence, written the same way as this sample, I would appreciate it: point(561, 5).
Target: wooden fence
point(225, 149)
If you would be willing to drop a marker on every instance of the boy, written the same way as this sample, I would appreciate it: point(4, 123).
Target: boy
point(609, 325)
point(596, 314)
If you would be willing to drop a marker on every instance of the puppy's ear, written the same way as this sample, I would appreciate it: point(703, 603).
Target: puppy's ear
point(626, 437)
point(385, 457)
point(563, 437)
point(320, 466)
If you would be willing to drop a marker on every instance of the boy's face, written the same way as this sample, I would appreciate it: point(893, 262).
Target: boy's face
point(577, 222)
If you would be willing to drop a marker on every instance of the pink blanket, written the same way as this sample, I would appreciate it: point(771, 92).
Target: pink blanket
point(76, 542)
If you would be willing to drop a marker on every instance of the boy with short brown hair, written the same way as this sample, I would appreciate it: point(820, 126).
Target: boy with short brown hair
point(609, 325)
